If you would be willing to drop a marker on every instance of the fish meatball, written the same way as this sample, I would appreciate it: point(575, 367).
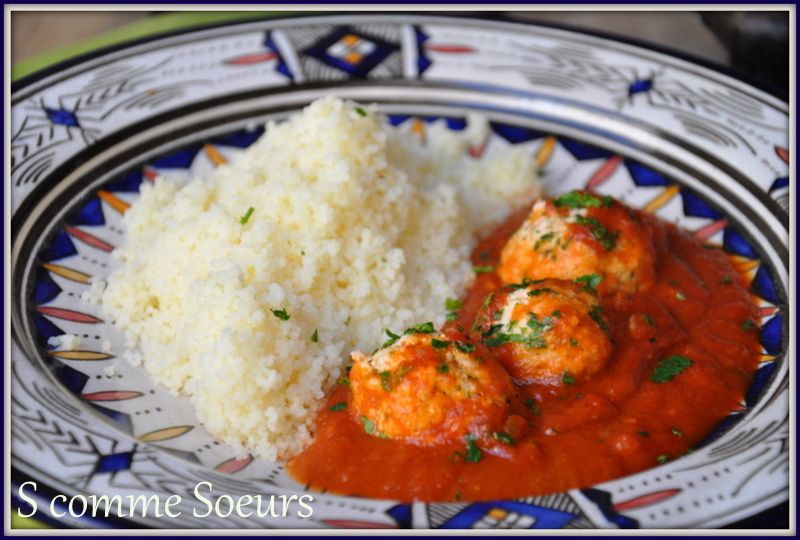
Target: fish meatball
point(548, 332)
point(429, 389)
point(578, 234)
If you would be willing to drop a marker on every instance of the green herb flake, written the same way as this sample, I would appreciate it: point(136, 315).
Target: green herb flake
point(246, 217)
point(577, 199)
point(281, 314)
point(451, 304)
point(680, 296)
point(556, 313)
point(473, 454)
point(386, 380)
point(573, 342)
point(443, 368)
point(504, 438)
point(589, 282)
point(344, 381)
point(439, 343)
point(338, 407)
point(451, 316)
point(606, 238)
point(596, 313)
point(726, 280)
point(483, 269)
point(748, 325)
point(369, 427)
point(392, 338)
point(532, 405)
point(540, 290)
point(465, 347)
point(648, 319)
point(677, 432)
point(663, 458)
point(567, 378)
point(643, 433)
point(422, 328)
point(669, 368)
point(360, 111)
point(315, 336)
point(547, 237)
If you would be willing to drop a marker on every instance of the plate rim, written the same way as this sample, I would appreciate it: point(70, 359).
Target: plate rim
point(486, 16)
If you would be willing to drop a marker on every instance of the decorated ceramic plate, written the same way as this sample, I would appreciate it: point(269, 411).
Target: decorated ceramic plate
point(688, 144)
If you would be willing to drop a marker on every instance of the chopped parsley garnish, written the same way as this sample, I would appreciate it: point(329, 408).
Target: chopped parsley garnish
point(360, 111)
point(473, 454)
point(344, 381)
point(443, 368)
point(726, 280)
point(680, 296)
point(607, 239)
point(483, 269)
point(465, 347)
point(748, 325)
point(504, 438)
point(246, 217)
point(422, 328)
point(315, 336)
point(669, 368)
point(677, 432)
point(643, 433)
point(537, 292)
point(648, 319)
point(589, 282)
point(451, 316)
point(451, 304)
point(663, 458)
point(542, 239)
point(596, 314)
point(567, 378)
point(540, 326)
point(439, 344)
point(281, 314)
point(392, 338)
point(338, 407)
point(573, 342)
point(369, 427)
point(531, 404)
point(534, 339)
point(556, 313)
point(386, 382)
point(576, 199)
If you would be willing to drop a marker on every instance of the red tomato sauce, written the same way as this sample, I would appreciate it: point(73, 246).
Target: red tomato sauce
point(616, 423)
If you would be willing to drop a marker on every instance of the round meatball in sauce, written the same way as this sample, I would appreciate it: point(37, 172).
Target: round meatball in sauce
point(429, 389)
point(581, 233)
point(548, 332)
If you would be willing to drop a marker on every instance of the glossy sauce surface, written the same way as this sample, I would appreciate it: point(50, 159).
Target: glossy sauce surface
point(615, 423)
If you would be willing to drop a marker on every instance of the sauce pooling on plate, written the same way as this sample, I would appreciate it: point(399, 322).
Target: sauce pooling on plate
point(595, 342)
